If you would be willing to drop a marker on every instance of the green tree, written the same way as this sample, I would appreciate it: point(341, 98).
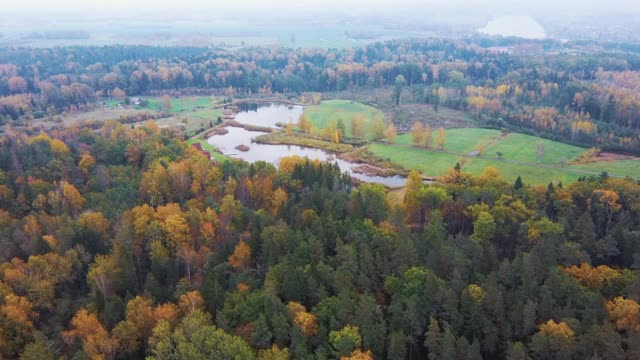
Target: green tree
point(397, 90)
point(397, 348)
point(196, 338)
point(433, 340)
point(341, 127)
point(379, 129)
point(518, 184)
point(484, 228)
point(345, 340)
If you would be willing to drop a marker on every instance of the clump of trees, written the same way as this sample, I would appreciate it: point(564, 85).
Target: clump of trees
point(123, 242)
point(590, 101)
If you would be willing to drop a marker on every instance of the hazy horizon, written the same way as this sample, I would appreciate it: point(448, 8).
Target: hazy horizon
point(499, 7)
point(296, 23)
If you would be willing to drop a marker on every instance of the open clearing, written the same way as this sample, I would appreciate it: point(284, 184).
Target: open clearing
point(178, 104)
point(519, 152)
point(629, 168)
point(189, 113)
point(525, 148)
point(434, 163)
point(405, 114)
point(321, 115)
point(461, 141)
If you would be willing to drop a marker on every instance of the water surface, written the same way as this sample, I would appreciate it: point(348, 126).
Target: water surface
point(520, 26)
point(268, 116)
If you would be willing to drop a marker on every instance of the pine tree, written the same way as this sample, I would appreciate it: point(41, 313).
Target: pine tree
point(518, 184)
point(433, 340)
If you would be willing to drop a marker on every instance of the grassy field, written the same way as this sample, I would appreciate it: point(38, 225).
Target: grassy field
point(433, 163)
point(192, 121)
point(178, 105)
point(462, 141)
point(629, 168)
point(515, 148)
point(191, 113)
point(321, 115)
point(524, 148)
point(409, 111)
point(518, 147)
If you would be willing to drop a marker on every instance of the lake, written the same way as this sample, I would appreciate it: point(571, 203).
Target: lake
point(269, 116)
point(520, 26)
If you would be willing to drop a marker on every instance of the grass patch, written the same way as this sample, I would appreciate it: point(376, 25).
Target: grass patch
point(630, 168)
point(181, 104)
point(522, 147)
point(363, 155)
point(279, 138)
point(461, 140)
point(409, 111)
point(210, 148)
point(178, 105)
point(321, 115)
point(433, 163)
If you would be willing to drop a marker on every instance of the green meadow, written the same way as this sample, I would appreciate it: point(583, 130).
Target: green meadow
point(322, 114)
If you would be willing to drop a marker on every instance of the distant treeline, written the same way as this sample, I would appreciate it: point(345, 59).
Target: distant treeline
point(582, 92)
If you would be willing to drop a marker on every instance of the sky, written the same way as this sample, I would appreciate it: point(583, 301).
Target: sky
point(510, 6)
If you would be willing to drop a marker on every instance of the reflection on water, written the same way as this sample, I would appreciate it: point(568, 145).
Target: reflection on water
point(520, 26)
point(268, 116)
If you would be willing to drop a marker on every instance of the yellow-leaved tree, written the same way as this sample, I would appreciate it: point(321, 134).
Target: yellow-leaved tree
point(241, 256)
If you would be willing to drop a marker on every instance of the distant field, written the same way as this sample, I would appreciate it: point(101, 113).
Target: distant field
point(524, 148)
point(181, 104)
point(515, 148)
point(189, 112)
point(100, 114)
point(462, 141)
point(321, 115)
point(405, 114)
point(433, 163)
point(629, 168)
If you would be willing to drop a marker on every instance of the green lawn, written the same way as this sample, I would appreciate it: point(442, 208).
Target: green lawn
point(192, 121)
point(190, 113)
point(178, 105)
point(182, 104)
point(629, 168)
point(522, 147)
point(513, 146)
point(464, 140)
point(433, 163)
point(321, 115)
point(516, 147)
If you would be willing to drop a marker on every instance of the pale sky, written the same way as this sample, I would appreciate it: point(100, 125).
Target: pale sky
point(582, 6)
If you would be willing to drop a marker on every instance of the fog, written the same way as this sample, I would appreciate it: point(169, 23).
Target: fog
point(304, 23)
point(528, 7)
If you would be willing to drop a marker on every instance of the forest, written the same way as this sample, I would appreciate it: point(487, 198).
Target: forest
point(120, 240)
point(578, 92)
point(123, 242)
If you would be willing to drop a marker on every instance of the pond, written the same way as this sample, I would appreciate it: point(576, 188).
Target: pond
point(268, 116)
point(520, 26)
